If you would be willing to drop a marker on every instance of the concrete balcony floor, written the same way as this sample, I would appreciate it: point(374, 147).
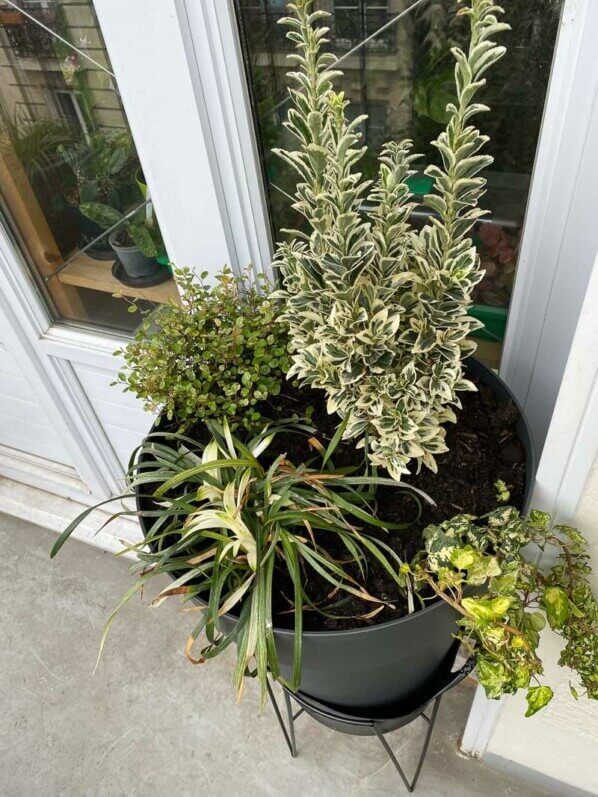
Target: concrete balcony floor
point(148, 723)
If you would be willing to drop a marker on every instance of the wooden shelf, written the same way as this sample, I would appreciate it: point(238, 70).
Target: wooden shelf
point(86, 272)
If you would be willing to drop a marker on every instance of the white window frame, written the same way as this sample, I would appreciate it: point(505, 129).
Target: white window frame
point(539, 333)
point(214, 52)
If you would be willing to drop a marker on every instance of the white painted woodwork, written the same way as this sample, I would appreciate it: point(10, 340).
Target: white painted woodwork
point(121, 414)
point(25, 424)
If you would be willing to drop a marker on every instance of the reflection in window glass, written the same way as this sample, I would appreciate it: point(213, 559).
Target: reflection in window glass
point(69, 172)
point(398, 69)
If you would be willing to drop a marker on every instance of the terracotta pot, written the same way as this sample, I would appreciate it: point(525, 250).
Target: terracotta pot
point(11, 18)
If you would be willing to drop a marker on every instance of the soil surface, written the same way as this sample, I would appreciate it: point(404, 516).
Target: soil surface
point(483, 447)
point(123, 238)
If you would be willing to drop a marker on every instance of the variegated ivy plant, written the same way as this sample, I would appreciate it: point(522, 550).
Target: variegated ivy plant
point(378, 310)
point(505, 600)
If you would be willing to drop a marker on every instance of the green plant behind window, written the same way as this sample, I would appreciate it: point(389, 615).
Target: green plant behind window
point(36, 144)
point(103, 167)
point(377, 310)
point(215, 355)
point(134, 231)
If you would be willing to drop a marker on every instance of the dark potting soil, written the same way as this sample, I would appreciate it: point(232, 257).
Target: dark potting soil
point(124, 238)
point(483, 447)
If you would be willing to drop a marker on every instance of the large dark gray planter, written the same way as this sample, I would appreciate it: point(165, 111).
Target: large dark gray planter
point(367, 669)
point(134, 262)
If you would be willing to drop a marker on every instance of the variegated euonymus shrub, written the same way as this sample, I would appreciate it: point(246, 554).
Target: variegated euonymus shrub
point(378, 310)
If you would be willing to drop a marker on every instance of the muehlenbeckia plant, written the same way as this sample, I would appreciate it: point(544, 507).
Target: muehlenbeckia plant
point(377, 310)
point(225, 517)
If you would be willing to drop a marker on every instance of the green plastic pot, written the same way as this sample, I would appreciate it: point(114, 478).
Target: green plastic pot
point(141, 184)
point(494, 320)
point(164, 260)
point(420, 184)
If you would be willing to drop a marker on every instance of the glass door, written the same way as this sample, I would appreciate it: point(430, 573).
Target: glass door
point(398, 69)
point(72, 190)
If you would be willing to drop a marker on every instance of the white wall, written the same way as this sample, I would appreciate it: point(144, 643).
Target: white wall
point(586, 518)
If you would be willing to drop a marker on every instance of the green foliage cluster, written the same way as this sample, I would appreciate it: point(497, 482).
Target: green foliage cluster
point(228, 517)
point(35, 143)
point(377, 310)
point(215, 354)
point(103, 166)
point(104, 171)
point(137, 230)
point(478, 567)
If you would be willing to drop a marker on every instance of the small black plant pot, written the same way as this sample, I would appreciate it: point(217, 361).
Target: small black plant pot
point(368, 669)
point(88, 231)
point(134, 262)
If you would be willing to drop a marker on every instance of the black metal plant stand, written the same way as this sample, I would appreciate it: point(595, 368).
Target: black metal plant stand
point(362, 726)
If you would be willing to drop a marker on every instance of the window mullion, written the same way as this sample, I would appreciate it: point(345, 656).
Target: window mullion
point(146, 43)
point(214, 46)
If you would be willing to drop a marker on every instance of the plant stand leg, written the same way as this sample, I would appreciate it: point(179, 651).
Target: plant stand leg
point(289, 736)
point(291, 717)
point(431, 722)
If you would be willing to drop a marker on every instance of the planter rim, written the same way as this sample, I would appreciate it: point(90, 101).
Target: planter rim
point(437, 603)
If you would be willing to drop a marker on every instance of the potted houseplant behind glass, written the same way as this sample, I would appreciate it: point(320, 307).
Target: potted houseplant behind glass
point(133, 241)
point(103, 167)
point(333, 513)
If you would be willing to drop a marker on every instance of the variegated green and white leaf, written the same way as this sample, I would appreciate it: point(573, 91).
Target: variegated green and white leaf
point(377, 311)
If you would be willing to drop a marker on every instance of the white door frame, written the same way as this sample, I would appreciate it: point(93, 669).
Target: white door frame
point(215, 57)
point(541, 325)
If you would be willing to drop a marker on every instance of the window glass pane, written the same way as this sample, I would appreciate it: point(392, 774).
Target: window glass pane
point(69, 171)
point(402, 77)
